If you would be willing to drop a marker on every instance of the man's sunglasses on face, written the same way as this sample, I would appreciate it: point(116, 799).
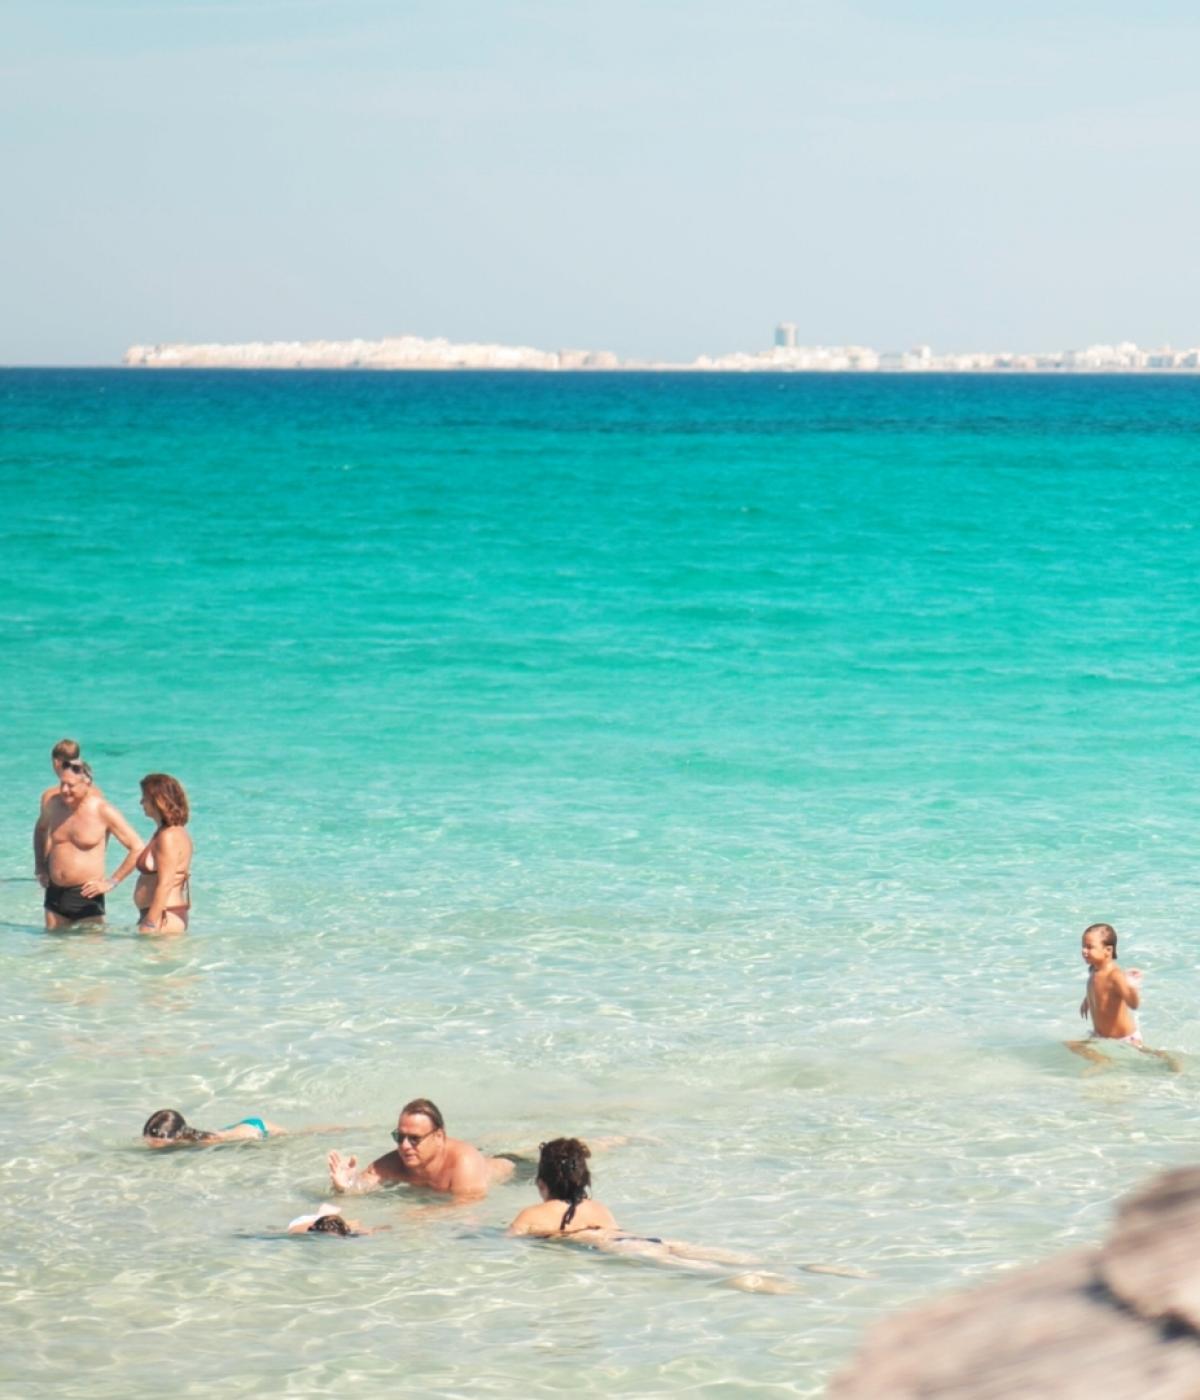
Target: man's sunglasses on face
point(416, 1139)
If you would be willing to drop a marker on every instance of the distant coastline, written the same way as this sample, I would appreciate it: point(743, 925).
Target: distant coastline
point(411, 352)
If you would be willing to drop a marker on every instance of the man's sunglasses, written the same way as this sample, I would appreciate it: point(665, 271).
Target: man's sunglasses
point(416, 1139)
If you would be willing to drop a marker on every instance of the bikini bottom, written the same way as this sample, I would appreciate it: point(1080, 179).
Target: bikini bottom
point(249, 1122)
point(180, 911)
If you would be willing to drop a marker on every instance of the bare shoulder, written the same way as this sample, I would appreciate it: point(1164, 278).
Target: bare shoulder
point(531, 1221)
point(520, 1223)
point(469, 1173)
point(463, 1154)
point(599, 1217)
point(174, 839)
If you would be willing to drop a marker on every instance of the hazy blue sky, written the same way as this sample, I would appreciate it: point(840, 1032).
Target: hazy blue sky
point(655, 177)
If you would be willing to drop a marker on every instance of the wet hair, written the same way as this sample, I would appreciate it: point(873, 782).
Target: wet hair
point(168, 797)
point(168, 1125)
point(64, 749)
point(563, 1171)
point(428, 1109)
point(329, 1225)
point(1108, 935)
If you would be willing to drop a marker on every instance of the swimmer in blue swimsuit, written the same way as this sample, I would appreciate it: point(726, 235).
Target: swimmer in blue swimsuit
point(168, 1128)
point(256, 1123)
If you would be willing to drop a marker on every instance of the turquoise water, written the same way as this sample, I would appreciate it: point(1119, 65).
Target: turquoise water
point(728, 763)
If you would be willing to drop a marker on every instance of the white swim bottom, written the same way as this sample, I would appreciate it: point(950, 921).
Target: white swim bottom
point(1133, 1038)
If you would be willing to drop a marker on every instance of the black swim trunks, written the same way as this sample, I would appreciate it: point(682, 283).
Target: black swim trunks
point(67, 902)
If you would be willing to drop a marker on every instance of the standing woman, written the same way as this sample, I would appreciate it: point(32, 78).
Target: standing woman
point(163, 894)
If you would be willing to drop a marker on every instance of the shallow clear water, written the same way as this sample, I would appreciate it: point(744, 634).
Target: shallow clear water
point(727, 763)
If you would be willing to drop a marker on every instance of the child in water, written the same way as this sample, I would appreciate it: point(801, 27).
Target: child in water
point(1112, 998)
point(168, 1128)
point(328, 1220)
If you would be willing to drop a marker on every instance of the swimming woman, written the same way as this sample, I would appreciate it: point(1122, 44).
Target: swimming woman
point(163, 891)
point(168, 1128)
point(563, 1182)
point(568, 1212)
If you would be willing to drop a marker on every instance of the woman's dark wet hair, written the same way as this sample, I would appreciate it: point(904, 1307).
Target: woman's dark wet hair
point(168, 1125)
point(329, 1225)
point(563, 1171)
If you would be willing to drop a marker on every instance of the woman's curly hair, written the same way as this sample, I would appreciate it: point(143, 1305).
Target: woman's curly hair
point(168, 797)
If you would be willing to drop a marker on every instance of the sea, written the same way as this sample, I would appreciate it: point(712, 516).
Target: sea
point(721, 769)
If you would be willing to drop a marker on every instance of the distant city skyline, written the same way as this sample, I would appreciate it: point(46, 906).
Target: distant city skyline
point(399, 353)
point(659, 180)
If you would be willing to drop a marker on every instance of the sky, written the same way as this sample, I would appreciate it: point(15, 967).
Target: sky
point(660, 178)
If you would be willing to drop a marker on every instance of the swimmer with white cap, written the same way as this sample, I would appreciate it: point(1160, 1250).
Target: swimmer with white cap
point(328, 1220)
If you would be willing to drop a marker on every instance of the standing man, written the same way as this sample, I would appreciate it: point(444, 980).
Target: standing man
point(70, 860)
point(61, 754)
point(424, 1156)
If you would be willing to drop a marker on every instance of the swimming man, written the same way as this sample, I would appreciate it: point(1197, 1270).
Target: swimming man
point(423, 1156)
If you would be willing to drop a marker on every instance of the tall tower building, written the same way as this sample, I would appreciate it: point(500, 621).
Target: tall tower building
point(785, 335)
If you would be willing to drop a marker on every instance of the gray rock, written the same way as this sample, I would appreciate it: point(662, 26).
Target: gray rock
point(1121, 1322)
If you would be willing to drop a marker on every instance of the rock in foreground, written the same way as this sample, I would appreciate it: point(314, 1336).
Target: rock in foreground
point(1122, 1321)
